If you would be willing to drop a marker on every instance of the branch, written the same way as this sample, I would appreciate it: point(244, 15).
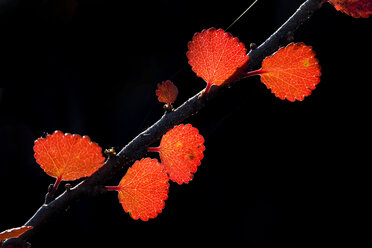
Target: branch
point(285, 33)
point(137, 148)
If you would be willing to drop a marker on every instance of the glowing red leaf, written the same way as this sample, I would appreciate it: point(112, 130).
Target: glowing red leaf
point(143, 189)
point(292, 72)
point(354, 8)
point(181, 150)
point(167, 92)
point(216, 56)
point(14, 233)
point(68, 157)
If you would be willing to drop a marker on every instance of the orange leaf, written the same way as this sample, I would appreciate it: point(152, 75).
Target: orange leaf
point(181, 150)
point(143, 189)
point(291, 73)
point(354, 8)
point(68, 157)
point(216, 56)
point(167, 92)
point(14, 233)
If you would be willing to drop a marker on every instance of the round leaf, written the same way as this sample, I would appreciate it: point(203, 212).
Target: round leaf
point(292, 72)
point(216, 56)
point(167, 92)
point(181, 150)
point(143, 189)
point(68, 157)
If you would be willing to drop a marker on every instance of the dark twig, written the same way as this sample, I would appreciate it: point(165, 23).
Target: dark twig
point(284, 34)
point(137, 148)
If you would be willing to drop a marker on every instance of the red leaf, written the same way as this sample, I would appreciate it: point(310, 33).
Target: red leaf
point(181, 150)
point(143, 189)
point(216, 56)
point(354, 8)
point(68, 157)
point(292, 72)
point(14, 233)
point(167, 92)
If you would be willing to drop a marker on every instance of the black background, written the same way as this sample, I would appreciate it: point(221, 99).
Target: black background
point(275, 173)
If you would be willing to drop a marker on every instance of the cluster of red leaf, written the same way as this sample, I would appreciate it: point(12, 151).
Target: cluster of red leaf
point(144, 188)
point(291, 73)
point(216, 56)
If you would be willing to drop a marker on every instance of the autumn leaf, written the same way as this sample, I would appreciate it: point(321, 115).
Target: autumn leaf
point(68, 157)
point(291, 73)
point(143, 189)
point(181, 150)
point(14, 233)
point(167, 92)
point(216, 56)
point(354, 8)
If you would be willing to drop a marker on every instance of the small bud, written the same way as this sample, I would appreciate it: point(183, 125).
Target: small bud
point(168, 107)
point(68, 187)
point(253, 46)
point(110, 152)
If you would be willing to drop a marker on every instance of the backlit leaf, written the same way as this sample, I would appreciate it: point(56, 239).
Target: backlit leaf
point(143, 189)
point(68, 157)
point(216, 56)
point(167, 92)
point(14, 233)
point(354, 8)
point(181, 150)
point(292, 72)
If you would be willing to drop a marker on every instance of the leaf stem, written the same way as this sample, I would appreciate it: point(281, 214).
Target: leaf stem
point(112, 188)
point(153, 149)
point(253, 73)
point(207, 88)
point(55, 186)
